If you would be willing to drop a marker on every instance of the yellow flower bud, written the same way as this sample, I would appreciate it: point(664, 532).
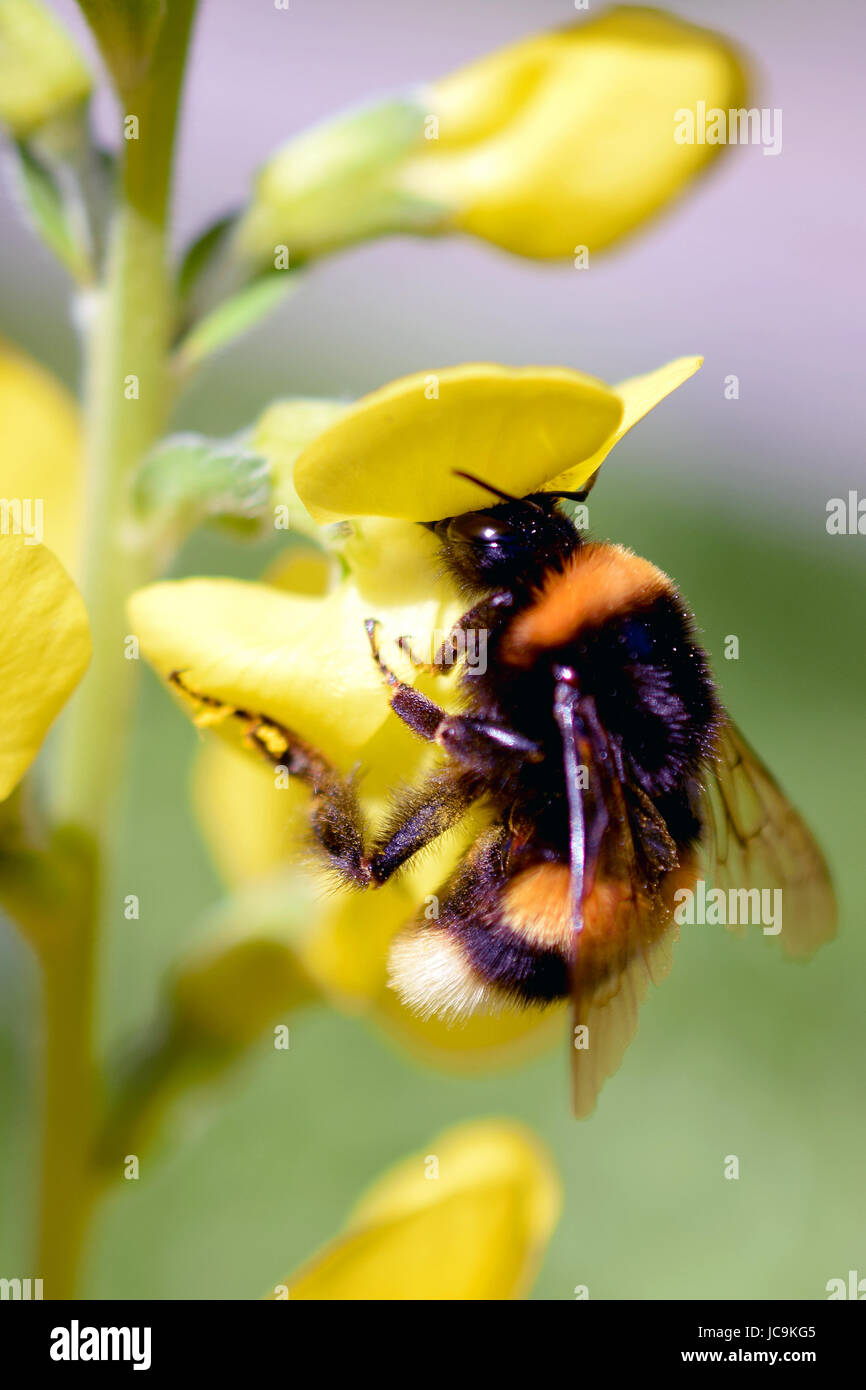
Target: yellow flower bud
point(41, 70)
point(468, 1219)
point(555, 146)
point(566, 140)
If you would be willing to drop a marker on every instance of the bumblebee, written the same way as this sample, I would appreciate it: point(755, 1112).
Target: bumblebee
point(611, 777)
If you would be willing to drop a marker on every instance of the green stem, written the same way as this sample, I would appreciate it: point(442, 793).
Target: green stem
point(128, 337)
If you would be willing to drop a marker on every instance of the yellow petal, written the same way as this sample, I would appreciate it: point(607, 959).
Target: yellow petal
point(639, 395)
point(395, 452)
point(44, 650)
point(41, 71)
point(41, 450)
point(566, 140)
point(304, 663)
point(251, 826)
point(468, 1219)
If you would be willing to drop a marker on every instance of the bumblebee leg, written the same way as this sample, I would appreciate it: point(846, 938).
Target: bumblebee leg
point(473, 742)
point(421, 714)
point(467, 639)
point(336, 819)
point(421, 816)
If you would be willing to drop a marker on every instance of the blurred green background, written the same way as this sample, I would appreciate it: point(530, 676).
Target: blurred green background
point(738, 1052)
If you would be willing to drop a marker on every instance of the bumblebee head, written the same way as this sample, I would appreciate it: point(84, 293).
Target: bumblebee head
point(509, 544)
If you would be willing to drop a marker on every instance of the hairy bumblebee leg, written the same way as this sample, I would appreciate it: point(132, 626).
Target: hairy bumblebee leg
point(478, 619)
point(475, 743)
point(421, 714)
point(421, 816)
point(336, 818)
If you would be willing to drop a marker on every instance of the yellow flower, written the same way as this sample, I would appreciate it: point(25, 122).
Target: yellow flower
point(44, 651)
point(566, 140)
point(468, 1220)
point(561, 141)
point(45, 640)
point(247, 651)
point(41, 71)
point(395, 454)
point(41, 455)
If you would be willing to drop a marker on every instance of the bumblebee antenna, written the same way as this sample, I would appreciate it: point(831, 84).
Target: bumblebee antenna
point(496, 491)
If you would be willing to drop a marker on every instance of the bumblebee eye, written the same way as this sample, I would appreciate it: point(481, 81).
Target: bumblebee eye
point(478, 528)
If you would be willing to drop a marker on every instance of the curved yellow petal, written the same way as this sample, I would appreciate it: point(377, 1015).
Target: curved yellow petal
point(41, 70)
point(395, 452)
point(468, 1219)
point(302, 662)
point(44, 650)
point(639, 395)
point(40, 459)
point(566, 140)
point(250, 824)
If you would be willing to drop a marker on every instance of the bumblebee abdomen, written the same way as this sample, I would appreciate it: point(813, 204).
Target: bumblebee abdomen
point(490, 948)
point(523, 948)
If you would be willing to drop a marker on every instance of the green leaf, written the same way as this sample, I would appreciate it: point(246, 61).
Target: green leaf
point(51, 202)
point(233, 317)
point(189, 479)
point(200, 256)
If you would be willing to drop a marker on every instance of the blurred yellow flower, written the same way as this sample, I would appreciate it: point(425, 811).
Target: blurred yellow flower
point(468, 1220)
point(45, 639)
point(566, 140)
point(42, 450)
point(41, 71)
point(44, 650)
point(559, 143)
point(302, 660)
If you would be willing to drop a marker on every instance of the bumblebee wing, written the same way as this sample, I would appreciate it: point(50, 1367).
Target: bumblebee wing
point(755, 839)
point(624, 930)
point(605, 1009)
